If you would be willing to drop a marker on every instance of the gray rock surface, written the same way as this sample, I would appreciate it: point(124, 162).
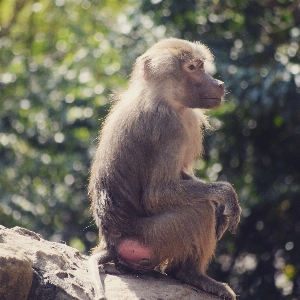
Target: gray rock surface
point(60, 272)
point(15, 270)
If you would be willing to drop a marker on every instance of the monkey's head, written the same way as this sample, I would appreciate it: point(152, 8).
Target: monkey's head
point(178, 71)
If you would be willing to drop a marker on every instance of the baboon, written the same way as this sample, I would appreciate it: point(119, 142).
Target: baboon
point(152, 212)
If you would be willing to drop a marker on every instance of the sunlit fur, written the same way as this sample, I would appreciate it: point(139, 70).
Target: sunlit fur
point(142, 184)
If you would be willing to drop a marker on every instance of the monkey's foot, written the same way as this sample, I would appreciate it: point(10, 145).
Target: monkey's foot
point(209, 285)
point(134, 255)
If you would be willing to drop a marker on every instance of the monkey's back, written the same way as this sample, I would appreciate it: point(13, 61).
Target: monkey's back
point(130, 141)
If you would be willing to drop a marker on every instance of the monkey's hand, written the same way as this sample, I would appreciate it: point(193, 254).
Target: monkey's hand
point(227, 200)
point(234, 219)
point(222, 221)
point(232, 209)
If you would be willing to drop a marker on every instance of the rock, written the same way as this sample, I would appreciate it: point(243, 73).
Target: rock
point(59, 272)
point(152, 286)
point(15, 274)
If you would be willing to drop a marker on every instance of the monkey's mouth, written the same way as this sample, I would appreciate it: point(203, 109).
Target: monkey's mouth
point(210, 103)
point(216, 99)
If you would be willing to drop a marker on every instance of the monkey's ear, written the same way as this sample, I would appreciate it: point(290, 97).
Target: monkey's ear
point(146, 67)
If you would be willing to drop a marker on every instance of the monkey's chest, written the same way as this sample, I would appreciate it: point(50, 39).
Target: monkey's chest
point(191, 149)
point(191, 152)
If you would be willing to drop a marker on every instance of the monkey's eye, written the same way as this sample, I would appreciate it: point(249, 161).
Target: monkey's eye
point(191, 67)
point(201, 66)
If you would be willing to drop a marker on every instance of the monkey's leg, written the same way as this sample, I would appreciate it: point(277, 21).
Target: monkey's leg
point(186, 238)
point(98, 258)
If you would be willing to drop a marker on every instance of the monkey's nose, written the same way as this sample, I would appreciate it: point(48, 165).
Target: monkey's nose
point(221, 85)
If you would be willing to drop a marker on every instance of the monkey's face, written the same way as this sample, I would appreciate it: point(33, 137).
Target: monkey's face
point(199, 89)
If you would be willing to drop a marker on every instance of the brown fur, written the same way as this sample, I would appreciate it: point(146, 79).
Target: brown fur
point(142, 184)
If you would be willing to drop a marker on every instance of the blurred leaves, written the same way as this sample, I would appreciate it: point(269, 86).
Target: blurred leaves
point(59, 61)
point(55, 60)
point(256, 143)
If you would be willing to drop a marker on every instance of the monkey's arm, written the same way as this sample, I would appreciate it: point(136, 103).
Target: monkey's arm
point(170, 188)
point(170, 196)
point(222, 220)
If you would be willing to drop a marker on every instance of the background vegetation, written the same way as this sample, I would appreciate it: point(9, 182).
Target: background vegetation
point(60, 59)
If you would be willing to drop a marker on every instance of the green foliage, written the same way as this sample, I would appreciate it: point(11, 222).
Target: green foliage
point(60, 59)
point(256, 45)
point(58, 64)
